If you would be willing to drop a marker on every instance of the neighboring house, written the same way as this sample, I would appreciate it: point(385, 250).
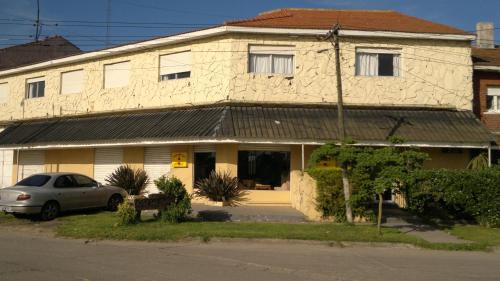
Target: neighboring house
point(252, 97)
point(20, 55)
point(486, 58)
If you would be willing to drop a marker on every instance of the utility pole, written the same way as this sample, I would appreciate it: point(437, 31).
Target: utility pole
point(38, 25)
point(334, 33)
point(108, 20)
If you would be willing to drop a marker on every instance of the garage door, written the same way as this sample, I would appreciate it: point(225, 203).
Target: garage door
point(30, 162)
point(106, 162)
point(6, 159)
point(156, 164)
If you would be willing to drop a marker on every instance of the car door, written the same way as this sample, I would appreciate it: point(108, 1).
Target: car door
point(68, 194)
point(94, 196)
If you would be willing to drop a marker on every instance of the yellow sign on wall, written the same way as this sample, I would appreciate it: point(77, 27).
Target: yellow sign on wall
point(327, 163)
point(179, 160)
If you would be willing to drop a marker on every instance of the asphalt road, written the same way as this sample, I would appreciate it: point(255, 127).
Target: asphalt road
point(39, 257)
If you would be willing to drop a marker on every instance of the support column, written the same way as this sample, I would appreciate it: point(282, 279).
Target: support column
point(226, 158)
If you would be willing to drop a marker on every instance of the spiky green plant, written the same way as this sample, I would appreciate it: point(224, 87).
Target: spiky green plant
point(220, 187)
point(133, 181)
point(480, 162)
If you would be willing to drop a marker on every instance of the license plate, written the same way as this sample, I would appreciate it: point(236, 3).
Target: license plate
point(5, 209)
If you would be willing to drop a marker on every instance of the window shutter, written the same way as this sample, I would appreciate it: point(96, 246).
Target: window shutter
point(116, 74)
point(275, 50)
point(175, 63)
point(4, 92)
point(72, 82)
point(494, 91)
point(33, 80)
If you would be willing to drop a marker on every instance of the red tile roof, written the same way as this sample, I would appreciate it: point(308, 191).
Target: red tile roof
point(34, 52)
point(366, 20)
point(486, 57)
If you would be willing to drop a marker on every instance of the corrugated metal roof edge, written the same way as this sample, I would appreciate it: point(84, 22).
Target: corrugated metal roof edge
point(237, 104)
point(152, 142)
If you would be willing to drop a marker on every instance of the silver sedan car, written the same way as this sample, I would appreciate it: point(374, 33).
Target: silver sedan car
point(48, 194)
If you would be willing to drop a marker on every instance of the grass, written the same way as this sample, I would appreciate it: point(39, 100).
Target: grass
point(478, 234)
point(6, 219)
point(103, 226)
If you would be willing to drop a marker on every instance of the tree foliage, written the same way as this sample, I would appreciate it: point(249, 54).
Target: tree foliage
point(370, 170)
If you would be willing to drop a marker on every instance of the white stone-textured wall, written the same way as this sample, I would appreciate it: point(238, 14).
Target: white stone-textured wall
point(435, 73)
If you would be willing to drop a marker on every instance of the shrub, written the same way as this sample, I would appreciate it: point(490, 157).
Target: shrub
point(133, 181)
point(330, 195)
point(173, 188)
point(220, 187)
point(457, 194)
point(126, 213)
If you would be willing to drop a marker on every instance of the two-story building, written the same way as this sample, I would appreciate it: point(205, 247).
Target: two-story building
point(253, 97)
point(22, 55)
point(486, 59)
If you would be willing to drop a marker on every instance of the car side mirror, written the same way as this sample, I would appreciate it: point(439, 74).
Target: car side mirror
point(98, 185)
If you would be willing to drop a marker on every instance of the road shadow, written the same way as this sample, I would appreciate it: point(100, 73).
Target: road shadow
point(213, 215)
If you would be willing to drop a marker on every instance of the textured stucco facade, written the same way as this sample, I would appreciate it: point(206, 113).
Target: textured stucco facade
point(433, 73)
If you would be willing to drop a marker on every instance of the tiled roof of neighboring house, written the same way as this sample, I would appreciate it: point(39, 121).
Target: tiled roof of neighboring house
point(366, 20)
point(255, 123)
point(34, 52)
point(486, 57)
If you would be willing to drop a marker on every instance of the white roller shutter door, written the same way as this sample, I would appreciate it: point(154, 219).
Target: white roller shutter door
point(30, 162)
point(156, 164)
point(6, 163)
point(106, 162)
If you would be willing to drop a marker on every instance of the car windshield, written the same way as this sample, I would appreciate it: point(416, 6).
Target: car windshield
point(35, 181)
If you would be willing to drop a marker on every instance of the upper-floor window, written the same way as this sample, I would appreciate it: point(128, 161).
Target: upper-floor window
point(377, 62)
point(72, 82)
point(116, 74)
point(4, 92)
point(35, 87)
point(493, 99)
point(175, 66)
point(271, 59)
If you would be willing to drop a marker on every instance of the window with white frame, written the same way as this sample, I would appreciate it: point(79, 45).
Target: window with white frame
point(378, 62)
point(271, 59)
point(35, 87)
point(175, 66)
point(116, 74)
point(4, 92)
point(493, 99)
point(72, 82)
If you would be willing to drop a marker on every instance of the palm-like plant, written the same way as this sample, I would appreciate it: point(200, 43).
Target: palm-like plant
point(220, 187)
point(133, 181)
point(480, 162)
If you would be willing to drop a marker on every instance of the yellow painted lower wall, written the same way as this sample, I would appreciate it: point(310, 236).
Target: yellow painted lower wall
point(453, 159)
point(70, 160)
point(226, 158)
point(186, 175)
point(134, 157)
point(267, 197)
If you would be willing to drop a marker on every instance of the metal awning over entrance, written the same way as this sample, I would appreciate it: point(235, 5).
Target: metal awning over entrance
point(253, 124)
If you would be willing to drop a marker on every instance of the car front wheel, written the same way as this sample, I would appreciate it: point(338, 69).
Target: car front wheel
point(114, 201)
point(49, 211)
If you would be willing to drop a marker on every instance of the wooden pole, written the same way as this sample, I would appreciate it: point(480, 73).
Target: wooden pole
point(341, 124)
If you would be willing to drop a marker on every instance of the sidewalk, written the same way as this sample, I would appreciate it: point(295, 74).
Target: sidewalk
point(284, 214)
point(412, 225)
